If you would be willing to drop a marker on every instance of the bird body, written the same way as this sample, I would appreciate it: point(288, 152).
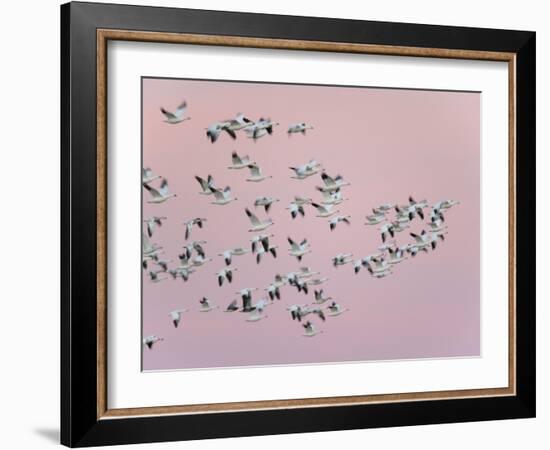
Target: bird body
point(301, 127)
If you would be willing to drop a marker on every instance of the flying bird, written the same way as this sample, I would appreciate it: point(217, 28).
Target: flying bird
point(239, 162)
point(342, 258)
point(324, 210)
point(175, 316)
point(222, 197)
point(228, 254)
point(161, 194)
point(296, 209)
point(256, 173)
point(151, 340)
point(177, 116)
point(152, 223)
point(225, 274)
point(206, 185)
point(336, 220)
point(298, 250)
point(331, 183)
point(214, 130)
point(310, 330)
point(262, 251)
point(147, 176)
point(262, 239)
point(320, 297)
point(206, 306)
point(191, 223)
point(257, 225)
point(266, 202)
point(298, 128)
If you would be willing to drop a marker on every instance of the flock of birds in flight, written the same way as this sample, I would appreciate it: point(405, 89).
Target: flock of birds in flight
point(378, 264)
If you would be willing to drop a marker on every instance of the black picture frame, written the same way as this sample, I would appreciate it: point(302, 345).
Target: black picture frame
point(80, 425)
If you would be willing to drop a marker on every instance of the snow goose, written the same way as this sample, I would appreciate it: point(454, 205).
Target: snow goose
point(279, 280)
point(214, 130)
point(257, 310)
point(246, 296)
point(331, 197)
point(225, 274)
point(298, 128)
point(396, 255)
point(342, 258)
point(261, 251)
point(199, 221)
point(435, 236)
point(266, 202)
point(228, 254)
point(446, 204)
point(310, 330)
point(154, 276)
point(257, 225)
point(163, 264)
point(301, 201)
point(182, 272)
point(273, 291)
point(320, 297)
point(161, 194)
point(379, 267)
point(306, 170)
point(175, 316)
point(316, 281)
point(387, 229)
point(151, 340)
point(375, 219)
point(177, 116)
point(238, 123)
point(262, 239)
point(333, 183)
point(324, 210)
point(232, 307)
point(334, 309)
point(200, 260)
point(206, 306)
point(336, 220)
point(299, 283)
point(436, 225)
point(222, 197)
point(256, 174)
point(296, 209)
point(206, 185)
point(260, 128)
point(399, 226)
point(305, 272)
point(147, 176)
point(147, 248)
point(422, 240)
point(239, 162)
point(196, 246)
point(152, 223)
point(298, 250)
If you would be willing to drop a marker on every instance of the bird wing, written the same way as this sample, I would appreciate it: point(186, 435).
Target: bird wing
point(254, 170)
point(293, 244)
point(163, 189)
point(252, 217)
point(329, 181)
point(235, 158)
point(180, 110)
point(168, 114)
point(154, 192)
point(217, 194)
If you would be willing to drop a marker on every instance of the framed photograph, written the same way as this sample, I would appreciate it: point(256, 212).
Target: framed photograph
point(276, 224)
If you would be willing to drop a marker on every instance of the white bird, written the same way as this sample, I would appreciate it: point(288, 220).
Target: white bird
point(239, 162)
point(206, 185)
point(225, 274)
point(266, 202)
point(279, 280)
point(342, 258)
point(206, 306)
point(385, 207)
point(262, 239)
point(196, 246)
point(306, 170)
point(437, 225)
point(161, 194)
point(214, 130)
point(435, 236)
point(336, 220)
point(306, 272)
point(396, 255)
point(296, 209)
point(191, 223)
point(232, 307)
point(222, 197)
point(310, 330)
point(334, 309)
point(378, 267)
point(256, 174)
point(273, 291)
point(182, 272)
point(238, 123)
point(260, 128)
point(154, 276)
point(331, 197)
point(176, 316)
point(387, 245)
point(246, 296)
point(375, 218)
point(399, 226)
point(320, 297)
point(257, 310)
point(301, 201)
point(200, 260)
point(422, 240)
point(333, 183)
point(228, 254)
point(258, 225)
point(261, 251)
point(151, 340)
point(152, 223)
point(386, 229)
point(324, 210)
point(177, 116)
point(316, 281)
point(298, 128)
point(446, 204)
point(147, 176)
point(298, 250)
point(147, 248)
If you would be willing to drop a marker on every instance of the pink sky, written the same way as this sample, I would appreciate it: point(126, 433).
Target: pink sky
point(389, 144)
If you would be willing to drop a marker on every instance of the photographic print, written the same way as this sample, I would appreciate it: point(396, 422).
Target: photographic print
point(289, 224)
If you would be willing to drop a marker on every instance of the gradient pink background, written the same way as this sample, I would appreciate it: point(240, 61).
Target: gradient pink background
point(389, 143)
